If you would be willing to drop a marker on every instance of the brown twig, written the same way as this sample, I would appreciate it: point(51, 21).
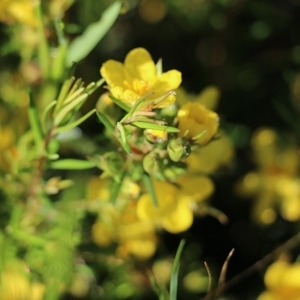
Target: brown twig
point(209, 287)
point(288, 245)
point(222, 278)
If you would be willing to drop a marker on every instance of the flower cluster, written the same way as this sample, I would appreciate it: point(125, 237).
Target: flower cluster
point(282, 281)
point(161, 180)
point(275, 184)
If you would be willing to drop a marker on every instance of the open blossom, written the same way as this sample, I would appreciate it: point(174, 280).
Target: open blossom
point(282, 281)
point(138, 77)
point(197, 122)
point(175, 205)
point(118, 223)
point(275, 183)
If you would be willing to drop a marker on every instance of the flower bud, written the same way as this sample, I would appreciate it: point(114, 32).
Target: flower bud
point(150, 163)
point(155, 136)
point(178, 149)
point(173, 171)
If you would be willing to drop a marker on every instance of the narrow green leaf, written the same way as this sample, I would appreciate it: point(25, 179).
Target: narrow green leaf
point(120, 103)
point(91, 88)
point(175, 269)
point(125, 146)
point(122, 132)
point(72, 164)
point(43, 46)
point(115, 188)
point(35, 123)
point(46, 113)
point(75, 123)
point(103, 119)
point(148, 125)
point(63, 93)
point(83, 45)
point(150, 188)
point(66, 109)
point(122, 138)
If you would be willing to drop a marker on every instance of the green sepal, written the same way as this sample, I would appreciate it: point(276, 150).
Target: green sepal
point(84, 44)
point(149, 125)
point(175, 269)
point(71, 164)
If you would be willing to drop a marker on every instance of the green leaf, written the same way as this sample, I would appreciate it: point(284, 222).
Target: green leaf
point(120, 103)
point(83, 45)
point(66, 109)
point(103, 119)
point(35, 123)
point(63, 93)
point(46, 113)
point(72, 164)
point(115, 188)
point(150, 188)
point(122, 138)
point(75, 123)
point(149, 125)
point(175, 269)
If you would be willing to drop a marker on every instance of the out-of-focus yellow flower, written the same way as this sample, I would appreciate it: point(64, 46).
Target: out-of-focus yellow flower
point(18, 11)
point(138, 77)
point(118, 223)
point(15, 284)
point(197, 122)
point(58, 7)
point(175, 205)
point(276, 182)
point(209, 97)
point(209, 158)
point(282, 281)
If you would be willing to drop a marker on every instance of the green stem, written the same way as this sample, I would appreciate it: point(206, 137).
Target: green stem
point(43, 48)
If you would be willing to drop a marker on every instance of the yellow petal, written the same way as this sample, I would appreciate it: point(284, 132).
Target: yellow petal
point(166, 196)
point(171, 80)
point(209, 97)
point(102, 235)
point(197, 188)
point(139, 65)
point(127, 96)
point(179, 219)
point(113, 73)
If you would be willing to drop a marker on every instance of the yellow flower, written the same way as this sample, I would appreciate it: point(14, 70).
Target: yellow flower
point(208, 97)
point(197, 122)
point(118, 222)
point(276, 182)
point(171, 214)
point(15, 284)
point(21, 11)
point(138, 77)
point(209, 158)
point(175, 206)
point(282, 281)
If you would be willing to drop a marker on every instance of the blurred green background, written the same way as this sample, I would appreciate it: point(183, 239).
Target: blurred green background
point(250, 50)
